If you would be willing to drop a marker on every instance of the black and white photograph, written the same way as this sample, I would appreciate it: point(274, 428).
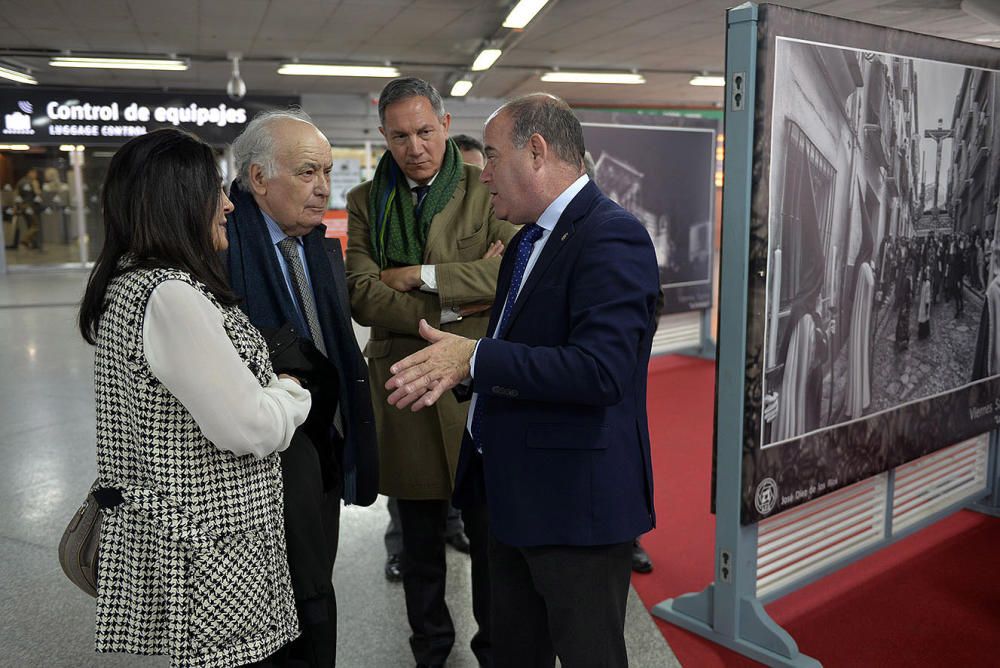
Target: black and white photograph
point(664, 176)
point(883, 285)
point(874, 277)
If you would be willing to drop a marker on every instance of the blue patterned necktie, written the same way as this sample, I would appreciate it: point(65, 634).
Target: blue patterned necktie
point(532, 234)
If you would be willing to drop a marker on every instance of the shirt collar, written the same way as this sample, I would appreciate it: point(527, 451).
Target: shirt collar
point(413, 184)
point(554, 211)
point(277, 234)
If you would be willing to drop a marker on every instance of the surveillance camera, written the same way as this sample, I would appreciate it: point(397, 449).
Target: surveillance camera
point(236, 88)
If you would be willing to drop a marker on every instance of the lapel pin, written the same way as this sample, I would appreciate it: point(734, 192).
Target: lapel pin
point(564, 236)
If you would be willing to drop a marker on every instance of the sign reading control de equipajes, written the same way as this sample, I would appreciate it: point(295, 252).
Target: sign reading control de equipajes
point(105, 117)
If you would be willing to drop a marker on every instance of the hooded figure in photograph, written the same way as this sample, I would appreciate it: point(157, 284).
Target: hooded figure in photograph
point(986, 363)
point(859, 340)
point(805, 348)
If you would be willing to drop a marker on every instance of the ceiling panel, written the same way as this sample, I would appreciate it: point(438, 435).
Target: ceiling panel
point(666, 39)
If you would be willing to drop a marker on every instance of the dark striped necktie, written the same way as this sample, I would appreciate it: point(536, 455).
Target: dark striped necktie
point(289, 249)
point(421, 193)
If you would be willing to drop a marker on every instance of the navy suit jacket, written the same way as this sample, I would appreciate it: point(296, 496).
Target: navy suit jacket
point(565, 437)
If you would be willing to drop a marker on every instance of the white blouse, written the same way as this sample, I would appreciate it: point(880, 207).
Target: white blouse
point(189, 351)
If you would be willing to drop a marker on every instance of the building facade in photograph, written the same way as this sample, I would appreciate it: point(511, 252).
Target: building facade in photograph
point(844, 157)
point(975, 154)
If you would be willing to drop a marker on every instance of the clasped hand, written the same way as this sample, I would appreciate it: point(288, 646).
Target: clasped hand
point(419, 380)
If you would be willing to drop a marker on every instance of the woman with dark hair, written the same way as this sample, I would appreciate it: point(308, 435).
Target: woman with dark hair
point(189, 418)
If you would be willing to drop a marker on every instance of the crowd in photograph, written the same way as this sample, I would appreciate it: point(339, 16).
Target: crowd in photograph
point(925, 271)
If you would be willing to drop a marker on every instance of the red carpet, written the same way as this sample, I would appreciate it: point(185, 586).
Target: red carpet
point(932, 599)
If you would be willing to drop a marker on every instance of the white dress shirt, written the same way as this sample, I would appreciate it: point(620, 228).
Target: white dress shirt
point(547, 222)
point(185, 342)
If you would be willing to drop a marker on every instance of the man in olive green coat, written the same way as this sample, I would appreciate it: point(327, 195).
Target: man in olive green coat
point(424, 243)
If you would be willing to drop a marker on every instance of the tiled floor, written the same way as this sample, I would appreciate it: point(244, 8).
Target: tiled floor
point(47, 463)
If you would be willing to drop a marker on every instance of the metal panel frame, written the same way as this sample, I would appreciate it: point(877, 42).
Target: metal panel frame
point(728, 611)
point(668, 341)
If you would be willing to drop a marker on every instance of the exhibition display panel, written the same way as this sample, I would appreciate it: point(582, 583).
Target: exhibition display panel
point(857, 382)
point(662, 169)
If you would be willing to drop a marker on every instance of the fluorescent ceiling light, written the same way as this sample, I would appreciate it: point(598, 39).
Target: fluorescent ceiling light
point(169, 65)
point(522, 13)
point(69, 148)
point(15, 75)
point(461, 88)
point(594, 77)
point(485, 59)
point(307, 69)
point(706, 80)
point(14, 147)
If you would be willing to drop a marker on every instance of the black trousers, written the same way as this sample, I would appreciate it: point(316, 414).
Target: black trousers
point(424, 571)
point(312, 532)
point(394, 533)
point(563, 601)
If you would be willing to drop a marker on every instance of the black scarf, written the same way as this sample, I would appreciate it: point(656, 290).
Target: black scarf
point(255, 276)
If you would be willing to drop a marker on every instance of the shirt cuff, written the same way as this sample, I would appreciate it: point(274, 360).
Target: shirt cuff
point(472, 360)
point(428, 276)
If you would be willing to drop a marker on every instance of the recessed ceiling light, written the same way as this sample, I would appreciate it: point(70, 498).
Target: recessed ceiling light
point(523, 12)
point(15, 75)
point(485, 59)
point(594, 77)
point(165, 64)
point(461, 88)
point(707, 80)
point(309, 69)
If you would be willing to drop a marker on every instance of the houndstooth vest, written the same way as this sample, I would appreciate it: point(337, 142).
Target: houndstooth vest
point(193, 563)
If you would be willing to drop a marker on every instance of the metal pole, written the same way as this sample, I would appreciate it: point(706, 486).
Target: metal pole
point(76, 161)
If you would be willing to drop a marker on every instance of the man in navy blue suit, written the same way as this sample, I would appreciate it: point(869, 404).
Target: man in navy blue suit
point(557, 440)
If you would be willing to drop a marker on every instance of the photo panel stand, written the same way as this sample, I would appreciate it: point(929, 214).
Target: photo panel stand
point(706, 348)
point(990, 504)
point(730, 611)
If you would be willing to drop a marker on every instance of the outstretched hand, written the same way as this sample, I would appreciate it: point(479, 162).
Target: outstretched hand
point(420, 379)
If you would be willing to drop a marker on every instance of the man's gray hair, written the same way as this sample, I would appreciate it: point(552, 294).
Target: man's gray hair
point(589, 166)
point(255, 145)
point(407, 87)
point(550, 117)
